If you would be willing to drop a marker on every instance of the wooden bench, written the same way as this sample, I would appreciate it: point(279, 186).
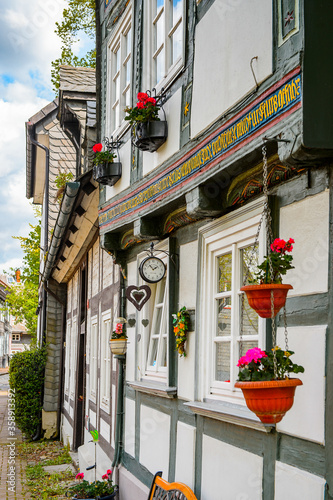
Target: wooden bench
point(163, 490)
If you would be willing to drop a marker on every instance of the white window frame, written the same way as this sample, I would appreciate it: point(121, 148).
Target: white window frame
point(230, 233)
point(171, 69)
point(16, 337)
point(155, 373)
point(117, 42)
point(93, 358)
point(67, 356)
point(106, 359)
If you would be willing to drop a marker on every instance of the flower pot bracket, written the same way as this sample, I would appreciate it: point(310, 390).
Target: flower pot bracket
point(107, 173)
point(150, 136)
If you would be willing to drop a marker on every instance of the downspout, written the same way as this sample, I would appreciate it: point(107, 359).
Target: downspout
point(120, 396)
point(46, 235)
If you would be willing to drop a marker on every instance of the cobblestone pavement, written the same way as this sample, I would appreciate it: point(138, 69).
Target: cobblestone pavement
point(11, 466)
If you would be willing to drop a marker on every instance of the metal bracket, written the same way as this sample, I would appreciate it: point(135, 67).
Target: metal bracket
point(151, 253)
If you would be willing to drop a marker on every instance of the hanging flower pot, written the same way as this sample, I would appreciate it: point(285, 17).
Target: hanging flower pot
point(263, 378)
point(107, 173)
point(118, 342)
point(259, 297)
point(148, 131)
point(118, 346)
point(150, 136)
point(269, 400)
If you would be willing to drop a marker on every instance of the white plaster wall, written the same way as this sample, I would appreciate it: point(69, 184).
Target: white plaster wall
point(130, 426)
point(307, 223)
point(294, 484)
point(86, 454)
point(107, 272)
point(154, 440)
point(187, 297)
point(229, 472)
point(104, 429)
point(130, 487)
point(66, 431)
point(131, 310)
point(306, 418)
point(185, 454)
point(172, 110)
point(95, 265)
point(124, 181)
point(226, 39)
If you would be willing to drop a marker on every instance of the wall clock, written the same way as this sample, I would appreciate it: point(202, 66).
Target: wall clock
point(152, 269)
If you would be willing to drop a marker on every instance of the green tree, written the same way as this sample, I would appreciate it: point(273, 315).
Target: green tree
point(78, 18)
point(22, 299)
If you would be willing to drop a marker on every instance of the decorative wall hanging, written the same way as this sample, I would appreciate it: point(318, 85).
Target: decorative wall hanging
point(106, 171)
point(149, 132)
point(138, 295)
point(181, 322)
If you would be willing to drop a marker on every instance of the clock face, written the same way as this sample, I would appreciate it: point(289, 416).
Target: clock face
point(152, 269)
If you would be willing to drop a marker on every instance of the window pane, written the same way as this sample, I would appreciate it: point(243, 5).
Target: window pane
point(127, 72)
point(159, 32)
point(159, 4)
point(158, 321)
point(117, 60)
point(224, 316)
point(160, 291)
point(222, 361)
point(177, 10)
point(224, 273)
point(128, 41)
point(249, 259)
point(177, 43)
point(153, 354)
point(250, 318)
point(164, 352)
point(127, 98)
point(246, 346)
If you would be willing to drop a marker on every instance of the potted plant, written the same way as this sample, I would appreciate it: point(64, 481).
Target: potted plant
point(60, 182)
point(269, 276)
point(181, 322)
point(93, 491)
point(148, 131)
point(263, 378)
point(118, 341)
point(106, 171)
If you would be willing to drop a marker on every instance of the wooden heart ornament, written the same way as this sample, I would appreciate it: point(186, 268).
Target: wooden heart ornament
point(138, 295)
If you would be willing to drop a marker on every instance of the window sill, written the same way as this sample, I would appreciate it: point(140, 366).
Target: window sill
point(229, 412)
point(154, 389)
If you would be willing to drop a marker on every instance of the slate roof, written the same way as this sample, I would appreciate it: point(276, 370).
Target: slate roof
point(77, 79)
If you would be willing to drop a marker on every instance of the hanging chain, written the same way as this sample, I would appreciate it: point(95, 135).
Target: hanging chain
point(268, 220)
point(285, 329)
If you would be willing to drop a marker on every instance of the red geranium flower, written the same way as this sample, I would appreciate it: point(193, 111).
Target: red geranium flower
point(142, 97)
point(140, 105)
point(151, 100)
point(97, 147)
point(80, 475)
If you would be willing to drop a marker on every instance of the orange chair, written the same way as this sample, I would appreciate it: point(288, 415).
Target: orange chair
point(163, 490)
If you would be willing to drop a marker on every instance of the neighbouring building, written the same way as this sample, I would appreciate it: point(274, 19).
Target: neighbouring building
point(5, 325)
point(236, 75)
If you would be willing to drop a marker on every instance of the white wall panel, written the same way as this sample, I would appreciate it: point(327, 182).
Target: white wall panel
point(306, 417)
point(294, 484)
point(226, 39)
point(185, 454)
point(130, 426)
point(306, 222)
point(229, 472)
point(154, 440)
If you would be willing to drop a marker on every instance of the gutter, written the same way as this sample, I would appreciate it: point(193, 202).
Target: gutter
point(70, 194)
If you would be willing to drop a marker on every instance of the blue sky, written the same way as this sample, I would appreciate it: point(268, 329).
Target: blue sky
point(28, 44)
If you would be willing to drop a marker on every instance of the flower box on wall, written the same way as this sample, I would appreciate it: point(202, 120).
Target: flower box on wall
point(107, 173)
point(150, 136)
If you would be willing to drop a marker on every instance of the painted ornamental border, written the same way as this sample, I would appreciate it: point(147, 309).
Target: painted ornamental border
point(279, 101)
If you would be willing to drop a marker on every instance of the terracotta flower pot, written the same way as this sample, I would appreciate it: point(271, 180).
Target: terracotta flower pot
point(118, 346)
point(259, 297)
point(269, 400)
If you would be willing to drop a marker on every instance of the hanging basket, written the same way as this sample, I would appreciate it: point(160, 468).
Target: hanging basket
point(118, 346)
point(107, 173)
point(259, 297)
point(269, 400)
point(150, 136)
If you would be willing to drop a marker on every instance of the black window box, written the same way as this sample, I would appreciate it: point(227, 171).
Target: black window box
point(150, 136)
point(107, 173)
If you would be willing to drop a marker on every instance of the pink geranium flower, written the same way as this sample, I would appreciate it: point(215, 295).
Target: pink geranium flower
point(97, 148)
point(80, 475)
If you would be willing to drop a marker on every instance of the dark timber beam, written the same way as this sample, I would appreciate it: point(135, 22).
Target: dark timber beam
point(202, 202)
